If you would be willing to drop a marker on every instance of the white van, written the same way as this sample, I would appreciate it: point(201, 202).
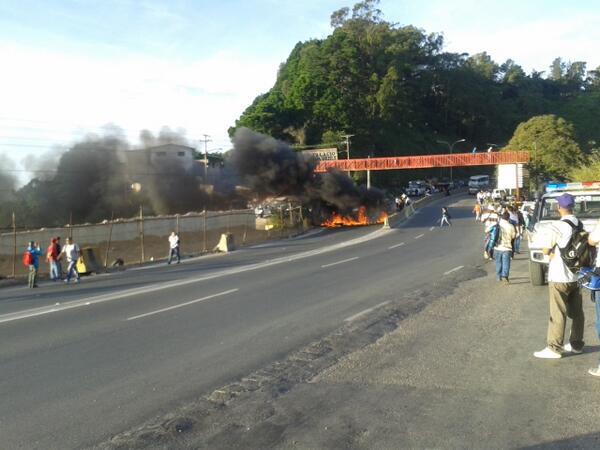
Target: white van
point(478, 182)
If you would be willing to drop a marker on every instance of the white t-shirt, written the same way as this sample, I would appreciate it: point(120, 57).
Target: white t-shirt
point(489, 218)
point(595, 236)
point(174, 241)
point(71, 251)
point(559, 236)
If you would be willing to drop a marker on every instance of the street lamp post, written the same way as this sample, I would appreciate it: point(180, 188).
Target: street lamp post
point(347, 142)
point(451, 148)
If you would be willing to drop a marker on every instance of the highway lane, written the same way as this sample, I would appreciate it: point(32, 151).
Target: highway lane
point(72, 378)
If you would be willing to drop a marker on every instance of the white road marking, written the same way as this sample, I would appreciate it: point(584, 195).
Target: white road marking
point(419, 236)
point(397, 245)
point(158, 311)
point(339, 262)
point(432, 228)
point(366, 311)
point(453, 270)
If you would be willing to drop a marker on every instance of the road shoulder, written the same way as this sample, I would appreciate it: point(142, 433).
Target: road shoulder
point(454, 372)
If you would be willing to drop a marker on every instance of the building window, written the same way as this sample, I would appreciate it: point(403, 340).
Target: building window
point(161, 153)
point(180, 153)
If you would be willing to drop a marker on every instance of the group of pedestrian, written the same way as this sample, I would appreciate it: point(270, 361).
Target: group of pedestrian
point(483, 197)
point(503, 229)
point(402, 201)
point(55, 254)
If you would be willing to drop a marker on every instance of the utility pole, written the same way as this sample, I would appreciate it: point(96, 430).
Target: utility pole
point(347, 142)
point(206, 140)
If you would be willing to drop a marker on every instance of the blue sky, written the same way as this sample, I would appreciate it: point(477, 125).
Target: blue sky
point(69, 67)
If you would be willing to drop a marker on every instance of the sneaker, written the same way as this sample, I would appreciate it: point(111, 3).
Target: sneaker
point(595, 371)
point(547, 353)
point(66, 281)
point(570, 349)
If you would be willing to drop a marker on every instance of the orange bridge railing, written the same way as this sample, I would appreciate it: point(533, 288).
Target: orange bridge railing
point(426, 161)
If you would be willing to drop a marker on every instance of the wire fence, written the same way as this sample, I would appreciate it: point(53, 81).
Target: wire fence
point(144, 239)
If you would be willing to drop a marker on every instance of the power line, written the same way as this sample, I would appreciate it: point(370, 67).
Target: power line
point(57, 171)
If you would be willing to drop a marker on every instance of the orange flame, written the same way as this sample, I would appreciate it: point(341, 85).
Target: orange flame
point(336, 220)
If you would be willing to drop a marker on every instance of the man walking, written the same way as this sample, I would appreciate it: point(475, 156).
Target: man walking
point(445, 217)
point(173, 247)
point(503, 248)
point(71, 252)
point(564, 293)
point(52, 259)
point(33, 261)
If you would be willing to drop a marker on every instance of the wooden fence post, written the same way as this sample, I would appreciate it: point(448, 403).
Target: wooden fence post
point(142, 233)
point(204, 231)
point(110, 229)
point(14, 262)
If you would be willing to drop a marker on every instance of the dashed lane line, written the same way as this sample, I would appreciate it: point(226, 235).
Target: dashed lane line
point(456, 269)
point(339, 262)
point(419, 236)
point(181, 305)
point(395, 246)
point(432, 228)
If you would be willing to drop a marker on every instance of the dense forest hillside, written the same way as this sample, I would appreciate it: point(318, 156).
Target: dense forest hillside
point(398, 92)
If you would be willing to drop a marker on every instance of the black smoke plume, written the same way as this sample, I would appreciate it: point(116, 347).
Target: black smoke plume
point(271, 168)
point(103, 176)
point(8, 180)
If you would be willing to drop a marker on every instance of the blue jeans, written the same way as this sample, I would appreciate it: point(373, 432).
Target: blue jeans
point(54, 272)
point(72, 270)
point(174, 252)
point(502, 258)
point(518, 243)
point(596, 297)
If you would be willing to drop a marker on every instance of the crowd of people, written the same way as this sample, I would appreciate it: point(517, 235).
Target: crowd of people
point(505, 226)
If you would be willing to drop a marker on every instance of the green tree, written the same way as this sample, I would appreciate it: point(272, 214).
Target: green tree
point(589, 171)
point(552, 146)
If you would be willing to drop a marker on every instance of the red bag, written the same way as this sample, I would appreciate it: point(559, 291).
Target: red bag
point(27, 259)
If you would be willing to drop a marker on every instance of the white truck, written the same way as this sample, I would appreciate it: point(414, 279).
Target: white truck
point(478, 183)
point(587, 209)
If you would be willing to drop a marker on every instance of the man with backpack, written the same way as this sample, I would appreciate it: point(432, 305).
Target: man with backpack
point(565, 297)
point(31, 259)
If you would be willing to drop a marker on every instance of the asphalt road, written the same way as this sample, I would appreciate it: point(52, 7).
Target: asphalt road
point(82, 362)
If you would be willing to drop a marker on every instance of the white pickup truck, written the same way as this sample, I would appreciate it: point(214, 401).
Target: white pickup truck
point(587, 209)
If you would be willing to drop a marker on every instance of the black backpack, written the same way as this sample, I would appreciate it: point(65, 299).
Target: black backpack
point(578, 253)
